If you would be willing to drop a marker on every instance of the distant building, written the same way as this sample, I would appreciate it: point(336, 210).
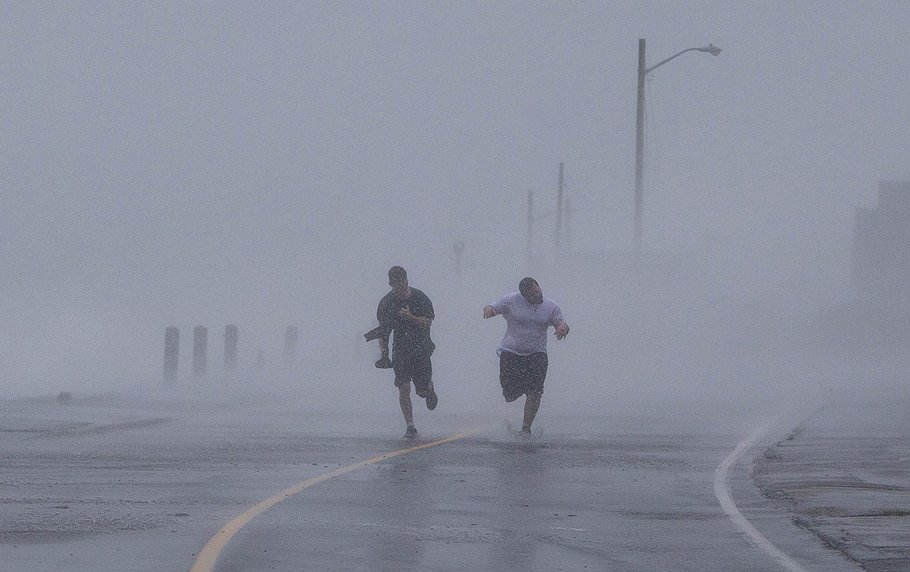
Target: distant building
point(881, 246)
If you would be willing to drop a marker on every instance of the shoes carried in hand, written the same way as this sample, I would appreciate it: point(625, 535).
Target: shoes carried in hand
point(432, 400)
point(384, 362)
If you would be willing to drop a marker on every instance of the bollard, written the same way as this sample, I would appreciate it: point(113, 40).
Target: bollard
point(290, 347)
point(171, 353)
point(200, 347)
point(230, 350)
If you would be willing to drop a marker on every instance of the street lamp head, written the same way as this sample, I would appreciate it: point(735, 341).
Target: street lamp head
point(710, 48)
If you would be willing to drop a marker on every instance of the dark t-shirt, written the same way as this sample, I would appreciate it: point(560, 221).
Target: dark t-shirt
point(410, 339)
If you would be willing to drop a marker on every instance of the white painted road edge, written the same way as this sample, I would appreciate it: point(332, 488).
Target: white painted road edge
point(722, 492)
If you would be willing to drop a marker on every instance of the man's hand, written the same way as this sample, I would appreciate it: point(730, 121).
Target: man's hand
point(562, 330)
point(421, 321)
point(373, 334)
point(488, 312)
point(384, 362)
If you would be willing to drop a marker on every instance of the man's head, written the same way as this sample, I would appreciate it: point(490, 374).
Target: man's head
point(531, 291)
point(398, 280)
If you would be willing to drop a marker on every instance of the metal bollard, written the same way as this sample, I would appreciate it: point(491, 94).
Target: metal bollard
point(200, 348)
point(230, 350)
point(171, 353)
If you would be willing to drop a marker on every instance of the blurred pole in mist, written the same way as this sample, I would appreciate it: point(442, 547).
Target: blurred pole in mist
point(643, 71)
point(459, 252)
point(290, 348)
point(230, 350)
point(200, 349)
point(171, 353)
point(639, 147)
point(559, 209)
point(260, 363)
point(530, 229)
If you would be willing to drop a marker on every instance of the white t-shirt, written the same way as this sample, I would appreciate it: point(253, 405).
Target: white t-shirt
point(526, 323)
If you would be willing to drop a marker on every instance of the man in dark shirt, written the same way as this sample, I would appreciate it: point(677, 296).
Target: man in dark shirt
point(409, 313)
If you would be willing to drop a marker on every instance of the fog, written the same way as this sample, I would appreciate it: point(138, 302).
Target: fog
point(166, 164)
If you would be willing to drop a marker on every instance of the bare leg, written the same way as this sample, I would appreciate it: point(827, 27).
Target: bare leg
point(404, 399)
point(532, 404)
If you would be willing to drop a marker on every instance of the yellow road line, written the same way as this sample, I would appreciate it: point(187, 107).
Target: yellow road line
point(205, 562)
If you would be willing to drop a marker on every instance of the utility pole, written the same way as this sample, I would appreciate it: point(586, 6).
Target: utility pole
point(559, 208)
point(530, 227)
point(639, 145)
point(459, 252)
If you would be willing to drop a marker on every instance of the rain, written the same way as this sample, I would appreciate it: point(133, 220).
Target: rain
point(242, 177)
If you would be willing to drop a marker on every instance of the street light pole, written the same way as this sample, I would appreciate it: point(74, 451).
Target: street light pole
point(530, 229)
point(643, 71)
point(559, 210)
point(639, 145)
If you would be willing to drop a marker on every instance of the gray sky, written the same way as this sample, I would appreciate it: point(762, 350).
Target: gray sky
point(265, 164)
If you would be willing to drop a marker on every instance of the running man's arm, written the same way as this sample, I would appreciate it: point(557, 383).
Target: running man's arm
point(421, 321)
point(386, 324)
point(562, 328)
point(495, 309)
point(425, 313)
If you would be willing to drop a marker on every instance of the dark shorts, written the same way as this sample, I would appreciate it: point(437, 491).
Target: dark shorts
point(520, 374)
point(418, 369)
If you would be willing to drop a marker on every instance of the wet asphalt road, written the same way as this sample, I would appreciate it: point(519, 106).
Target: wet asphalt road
point(117, 483)
point(845, 474)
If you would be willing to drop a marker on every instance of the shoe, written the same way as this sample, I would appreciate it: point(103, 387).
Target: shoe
point(384, 362)
point(524, 434)
point(432, 400)
point(410, 432)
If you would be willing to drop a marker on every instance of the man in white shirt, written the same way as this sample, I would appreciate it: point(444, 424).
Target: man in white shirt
point(523, 350)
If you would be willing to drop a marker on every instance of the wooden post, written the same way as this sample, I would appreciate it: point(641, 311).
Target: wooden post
point(200, 349)
point(171, 353)
point(230, 350)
